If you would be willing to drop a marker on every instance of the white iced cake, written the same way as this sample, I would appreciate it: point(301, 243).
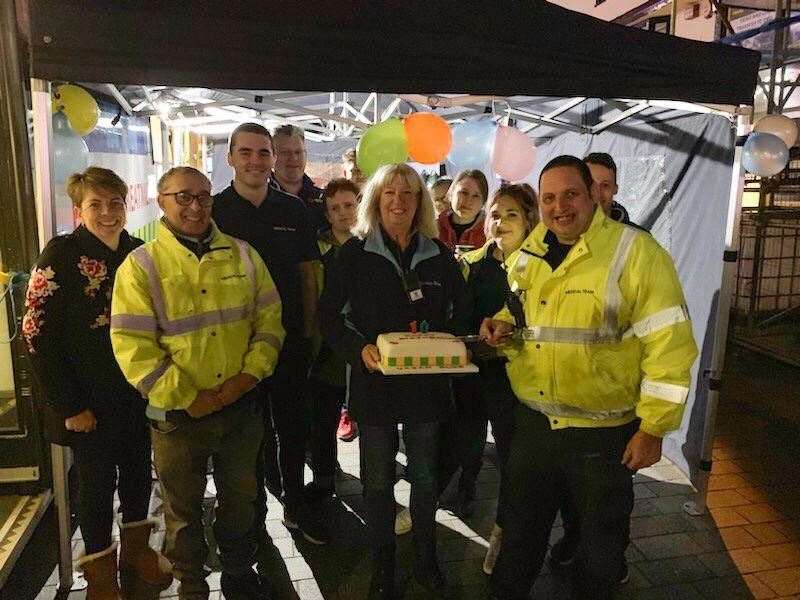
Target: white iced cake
point(431, 350)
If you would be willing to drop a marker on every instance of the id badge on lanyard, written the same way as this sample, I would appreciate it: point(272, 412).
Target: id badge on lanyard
point(412, 286)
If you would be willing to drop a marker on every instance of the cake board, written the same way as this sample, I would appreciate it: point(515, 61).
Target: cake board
point(465, 370)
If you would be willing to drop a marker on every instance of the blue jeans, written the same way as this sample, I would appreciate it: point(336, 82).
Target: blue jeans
point(378, 446)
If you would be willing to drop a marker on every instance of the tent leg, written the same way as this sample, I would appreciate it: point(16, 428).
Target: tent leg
point(68, 580)
point(697, 505)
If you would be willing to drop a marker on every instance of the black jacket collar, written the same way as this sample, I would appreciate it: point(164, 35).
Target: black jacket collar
point(94, 247)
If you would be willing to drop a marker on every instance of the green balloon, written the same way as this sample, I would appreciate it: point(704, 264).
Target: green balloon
point(382, 144)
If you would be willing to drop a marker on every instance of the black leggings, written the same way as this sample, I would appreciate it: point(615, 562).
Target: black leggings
point(115, 456)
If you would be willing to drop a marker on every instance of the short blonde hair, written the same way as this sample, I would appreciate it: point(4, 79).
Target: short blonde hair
point(94, 177)
point(183, 170)
point(369, 209)
point(289, 131)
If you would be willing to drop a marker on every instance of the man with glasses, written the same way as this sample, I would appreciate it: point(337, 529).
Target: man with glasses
point(290, 172)
point(195, 325)
point(277, 225)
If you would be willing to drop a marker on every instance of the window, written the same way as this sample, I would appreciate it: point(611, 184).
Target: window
point(659, 24)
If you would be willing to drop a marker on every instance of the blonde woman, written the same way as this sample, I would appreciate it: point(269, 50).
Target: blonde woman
point(391, 273)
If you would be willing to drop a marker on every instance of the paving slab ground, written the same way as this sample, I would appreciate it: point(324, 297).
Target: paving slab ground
point(746, 546)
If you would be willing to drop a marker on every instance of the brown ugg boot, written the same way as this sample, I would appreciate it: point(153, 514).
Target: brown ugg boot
point(100, 571)
point(138, 559)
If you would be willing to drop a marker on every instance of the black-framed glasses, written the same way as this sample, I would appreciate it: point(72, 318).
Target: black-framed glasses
point(204, 199)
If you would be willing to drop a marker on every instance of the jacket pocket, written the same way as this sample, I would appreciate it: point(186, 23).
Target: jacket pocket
point(163, 427)
point(178, 297)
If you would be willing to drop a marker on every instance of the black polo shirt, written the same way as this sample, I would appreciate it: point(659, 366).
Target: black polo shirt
point(312, 196)
point(281, 232)
point(556, 251)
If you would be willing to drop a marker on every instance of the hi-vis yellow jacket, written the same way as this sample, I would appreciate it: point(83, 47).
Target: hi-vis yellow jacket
point(608, 336)
point(180, 325)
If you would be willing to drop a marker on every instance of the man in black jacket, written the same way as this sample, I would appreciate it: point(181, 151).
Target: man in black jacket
point(604, 173)
point(290, 172)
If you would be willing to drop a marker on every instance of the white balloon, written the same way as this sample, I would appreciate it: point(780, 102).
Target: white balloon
point(70, 153)
point(778, 125)
point(764, 154)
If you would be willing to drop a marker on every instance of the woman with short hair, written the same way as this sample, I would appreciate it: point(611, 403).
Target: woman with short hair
point(88, 404)
point(392, 273)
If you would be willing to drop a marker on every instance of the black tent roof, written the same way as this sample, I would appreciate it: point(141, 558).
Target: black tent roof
point(503, 48)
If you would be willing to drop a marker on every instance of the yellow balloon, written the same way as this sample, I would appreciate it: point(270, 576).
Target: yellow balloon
point(79, 106)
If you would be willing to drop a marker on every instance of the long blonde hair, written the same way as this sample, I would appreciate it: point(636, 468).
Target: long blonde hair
point(369, 209)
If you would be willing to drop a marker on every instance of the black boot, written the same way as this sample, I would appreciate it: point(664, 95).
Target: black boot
point(245, 586)
point(427, 572)
point(382, 584)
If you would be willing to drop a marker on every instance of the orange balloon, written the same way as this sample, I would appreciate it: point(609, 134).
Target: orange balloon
point(429, 137)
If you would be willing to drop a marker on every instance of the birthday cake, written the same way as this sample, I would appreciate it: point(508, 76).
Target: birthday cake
point(429, 350)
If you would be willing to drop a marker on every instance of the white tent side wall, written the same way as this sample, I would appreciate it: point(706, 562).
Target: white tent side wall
point(675, 179)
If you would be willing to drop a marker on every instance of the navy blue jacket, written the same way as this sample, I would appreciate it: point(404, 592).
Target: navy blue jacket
point(365, 296)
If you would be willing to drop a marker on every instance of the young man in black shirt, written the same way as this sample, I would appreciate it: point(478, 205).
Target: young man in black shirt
point(278, 226)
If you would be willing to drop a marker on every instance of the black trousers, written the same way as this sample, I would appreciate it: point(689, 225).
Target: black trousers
point(584, 464)
point(282, 457)
point(378, 446)
point(115, 456)
point(463, 437)
point(326, 407)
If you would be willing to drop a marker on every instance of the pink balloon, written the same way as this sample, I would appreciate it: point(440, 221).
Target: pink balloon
point(513, 155)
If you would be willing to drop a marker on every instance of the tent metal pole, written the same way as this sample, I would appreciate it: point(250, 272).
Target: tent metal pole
point(68, 580)
point(673, 17)
point(43, 158)
point(713, 376)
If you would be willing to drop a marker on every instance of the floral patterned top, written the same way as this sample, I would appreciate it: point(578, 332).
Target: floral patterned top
point(66, 326)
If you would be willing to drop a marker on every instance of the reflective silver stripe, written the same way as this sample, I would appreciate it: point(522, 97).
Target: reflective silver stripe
point(660, 320)
point(206, 319)
point(194, 322)
point(142, 256)
point(148, 381)
point(134, 322)
point(248, 262)
point(609, 332)
point(271, 340)
point(574, 412)
point(568, 335)
point(668, 392)
point(267, 299)
point(157, 414)
point(613, 291)
point(522, 262)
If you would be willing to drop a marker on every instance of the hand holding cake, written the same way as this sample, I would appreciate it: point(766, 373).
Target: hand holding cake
point(371, 357)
